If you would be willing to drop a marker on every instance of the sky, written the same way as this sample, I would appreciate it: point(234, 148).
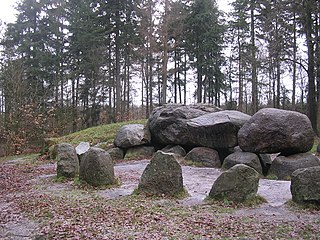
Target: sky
point(7, 12)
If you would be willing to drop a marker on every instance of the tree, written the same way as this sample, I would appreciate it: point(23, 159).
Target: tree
point(204, 39)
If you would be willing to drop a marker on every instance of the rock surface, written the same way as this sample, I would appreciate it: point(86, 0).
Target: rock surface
point(249, 159)
point(96, 168)
point(132, 135)
point(217, 130)
point(193, 126)
point(273, 130)
point(205, 157)
point(116, 153)
point(139, 152)
point(67, 160)
point(283, 167)
point(82, 148)
point(237, 184)
point(162, 176)
point(305, 185)
point(178, 150)
point(168, 123)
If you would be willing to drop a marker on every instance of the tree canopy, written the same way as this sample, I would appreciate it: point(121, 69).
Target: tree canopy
point(68, 65)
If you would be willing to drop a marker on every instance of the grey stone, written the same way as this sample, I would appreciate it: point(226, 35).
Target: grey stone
point(217, 130)
point(305, 185)
point(283, 167)
point(116, 153)
point(139, 152)
point(273, 130)
point(191, 126)
point(168, 123)
point(237, 184)
point(204, 156)
point(178, 150)
point(266, 161)
point(132, 135)
point(82, 148)
point(162, 176)
point(67, 160)
point(249, 159)
point(96, 168)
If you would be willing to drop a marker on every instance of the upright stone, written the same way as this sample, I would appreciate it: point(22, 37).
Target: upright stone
point(67, 160)
point(305, 185)
point(237, 184)
point(162, 176)
point(273, 130)
point(97, 168)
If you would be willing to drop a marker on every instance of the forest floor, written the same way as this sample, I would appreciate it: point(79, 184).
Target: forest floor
point(34, 204)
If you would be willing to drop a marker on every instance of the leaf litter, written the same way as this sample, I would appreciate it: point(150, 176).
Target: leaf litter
point(35, 206)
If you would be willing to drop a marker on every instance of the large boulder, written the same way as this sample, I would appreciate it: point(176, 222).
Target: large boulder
point(217, 130)
point(190, 126)
point(96, 168)
point(162, 176)
point(273, 130)
point(205, 157)
point(132, 135)
point(305, 185)
point(282, 167)
point(249, 159)
point(237, 184)
point(67, 160)
point(168, 123)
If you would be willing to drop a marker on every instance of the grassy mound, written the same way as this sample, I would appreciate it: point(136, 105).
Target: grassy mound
point(103, 133)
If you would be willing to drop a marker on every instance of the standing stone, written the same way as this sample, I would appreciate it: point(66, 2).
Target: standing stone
point(273, 130)
point(283, 167)
point(162, 176)
point(132, 135)
point(237, 184)
point(305, 185)
point(205, 157)
point(67, 160)
point(97, 168)
point(249, 159)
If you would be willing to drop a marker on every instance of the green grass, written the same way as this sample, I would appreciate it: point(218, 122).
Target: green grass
point(103, 133)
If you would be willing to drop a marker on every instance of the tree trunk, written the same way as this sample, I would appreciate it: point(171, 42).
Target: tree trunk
point(312, 105)
point(253, 59)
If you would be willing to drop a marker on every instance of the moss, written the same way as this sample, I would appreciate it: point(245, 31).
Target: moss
point(271, 177)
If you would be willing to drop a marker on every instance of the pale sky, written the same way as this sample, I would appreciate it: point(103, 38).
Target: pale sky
point(7, 12)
